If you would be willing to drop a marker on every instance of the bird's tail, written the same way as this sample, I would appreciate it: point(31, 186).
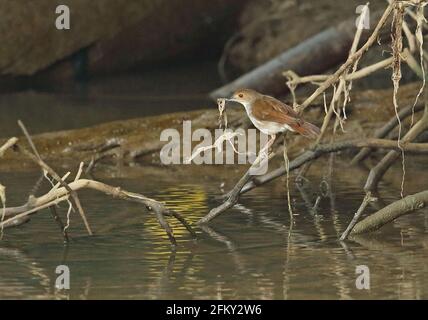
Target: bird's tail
point(308, 130)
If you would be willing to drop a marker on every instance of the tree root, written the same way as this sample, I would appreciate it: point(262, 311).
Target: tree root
point(380, 169)
point(386, 129)
point(9, 143)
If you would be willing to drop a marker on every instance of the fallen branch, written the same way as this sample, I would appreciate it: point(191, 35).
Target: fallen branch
point(249, 182)
point(380, 169)
point(38, 160)
point(320, 150)
point(349, 62)
point(367, 199)
point(232, 199)
point(61, 194)
point(391, 212)
point(377, 172)
point(364, 72)
point(9, 143)
point(314, 55)
point(386, 129)
point(62, 191)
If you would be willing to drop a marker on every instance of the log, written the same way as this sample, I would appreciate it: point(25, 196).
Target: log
point(391, 212)
point(314, 55)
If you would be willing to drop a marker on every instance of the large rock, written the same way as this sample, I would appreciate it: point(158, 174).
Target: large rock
point(119, 33)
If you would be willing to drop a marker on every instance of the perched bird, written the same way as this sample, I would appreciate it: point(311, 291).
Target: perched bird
point(272, 116)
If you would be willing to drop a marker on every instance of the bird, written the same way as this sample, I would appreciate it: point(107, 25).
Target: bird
point(271, 116)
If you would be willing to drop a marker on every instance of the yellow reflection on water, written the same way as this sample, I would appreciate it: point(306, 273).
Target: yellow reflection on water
point(189, 200)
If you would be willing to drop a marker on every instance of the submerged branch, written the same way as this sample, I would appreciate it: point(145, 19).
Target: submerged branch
point(61, 194)
point(391, 212)
point(249, 182)
point(322, 149)
point(367, 199)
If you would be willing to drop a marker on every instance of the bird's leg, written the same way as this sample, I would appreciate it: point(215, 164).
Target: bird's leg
point(265, 150)
point(273, 137)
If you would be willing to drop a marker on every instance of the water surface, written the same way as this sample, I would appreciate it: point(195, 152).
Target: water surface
point(177, 87)
point(248, 253)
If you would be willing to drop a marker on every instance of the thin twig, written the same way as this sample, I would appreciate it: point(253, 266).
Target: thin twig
point(386, 129)
point(367, 199)
point(322, 149)
point(58, 220)
point(9, 143)
point(38, 160)
point(349, 62)
point(380, 169)
point(287, 168)
point(53, 197)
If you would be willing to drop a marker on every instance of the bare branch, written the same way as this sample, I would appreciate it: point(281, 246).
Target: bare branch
point(61, 194)
point(10, 143)
point(350, 61)
point(391, 212)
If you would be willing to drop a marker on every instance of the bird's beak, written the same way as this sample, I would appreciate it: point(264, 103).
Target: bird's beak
point(232, 100)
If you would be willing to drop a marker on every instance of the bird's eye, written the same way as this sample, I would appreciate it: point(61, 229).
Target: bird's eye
point(240, 95)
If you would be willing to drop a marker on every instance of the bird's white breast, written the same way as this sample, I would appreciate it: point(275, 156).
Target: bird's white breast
point(267, 127)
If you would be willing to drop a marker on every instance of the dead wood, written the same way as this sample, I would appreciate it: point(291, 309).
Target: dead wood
point(62, 191)
point(249, 182)
point(60, 194)
point(7, 145)
point(387, 128)
point(118, 33)
point(380, 169)
point(312, 56)
point(391, 212)
point(338, 81)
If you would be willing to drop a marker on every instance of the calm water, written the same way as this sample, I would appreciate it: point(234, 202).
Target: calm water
point(173, 88)
point(249, 253)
